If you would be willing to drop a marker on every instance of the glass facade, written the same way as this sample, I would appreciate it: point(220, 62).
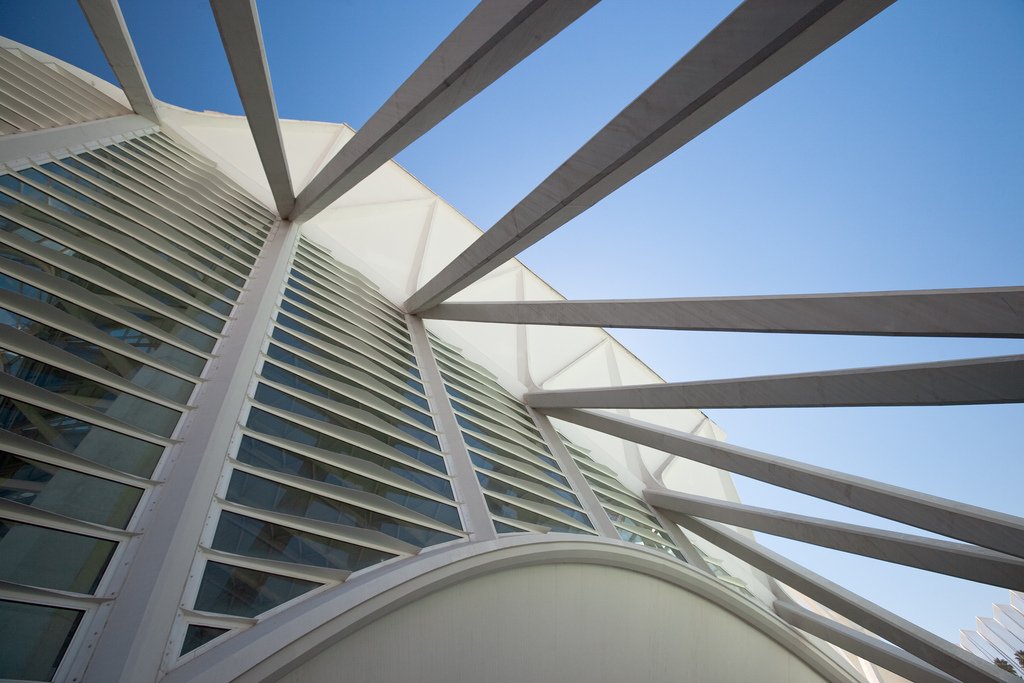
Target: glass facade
point(112, 299)
point(523, 485)
point(125, 269)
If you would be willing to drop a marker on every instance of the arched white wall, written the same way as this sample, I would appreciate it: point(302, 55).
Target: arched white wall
point(559, 622)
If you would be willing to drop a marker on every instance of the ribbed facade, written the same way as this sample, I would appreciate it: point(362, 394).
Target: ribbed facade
point(123, 264)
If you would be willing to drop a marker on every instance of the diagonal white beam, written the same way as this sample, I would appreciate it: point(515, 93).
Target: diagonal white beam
point(239, 26)
point(493, 38)
point(944, 557)
point(759, 44)
point(872, 649)
point(107, 23)
point(987, 528)
point(997, 379)
point(988, 312)
point(919, 642)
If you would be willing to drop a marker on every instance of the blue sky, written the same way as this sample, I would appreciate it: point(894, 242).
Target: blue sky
point(895, 160)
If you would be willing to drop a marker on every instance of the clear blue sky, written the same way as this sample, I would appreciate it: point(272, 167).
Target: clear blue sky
point(894, 160)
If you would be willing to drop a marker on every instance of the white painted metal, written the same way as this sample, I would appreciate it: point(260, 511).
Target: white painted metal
point(108, 25)
point(997, 379)
point(987, 528)
point(131, 646)
point(476, 518)
point(988, 312)
point(18, 148)
point(492, 39)
point(239, 25)
point(872, 649)
point(928, 647)
point(759, 44)
point(955, 559)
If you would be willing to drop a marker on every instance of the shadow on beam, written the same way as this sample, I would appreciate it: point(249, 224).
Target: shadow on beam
point(756, 46)
point(989, 312)
point(959, 382)
point(943, 557)
point(872, 649)
point(107, 23)
point(239, 26)
point(497, 35)
point(937, 652)
point(989, 529)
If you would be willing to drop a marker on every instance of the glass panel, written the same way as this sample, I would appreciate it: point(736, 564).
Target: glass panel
point(631, 537)
point(268, 423)
point(197, 250)
point(382, 391)
point(503, 509)
point(85, 440)
point(280, 375)
point(294, 323)
point(282, 335)
point(268, 456)
point(189, 335)
point(35, 638)
point(63, 232)
point(258, 492)
point(121, 406)
point(536, 473)
point(197, 636)
point(279, 399)
point(246, 592)
point(500, 486)
point(144, 376)
point(257, 538)
point(66, 492)
point(47, 558)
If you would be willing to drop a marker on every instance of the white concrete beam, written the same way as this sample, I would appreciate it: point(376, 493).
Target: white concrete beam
point(872, 649)
point(971, 381)
point(759, 44)
point(944, 557)
point(493, 38)
point(239, 26)
point(107, 22)
point(941, 654)
point(989, 312)
point(987, 528)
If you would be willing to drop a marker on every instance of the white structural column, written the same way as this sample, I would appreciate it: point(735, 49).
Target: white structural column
point(131, 646)
point(944, 557)
point(961, 382)
point(598, 515)
point(15, 150)
point(239, 26)
point(923, 644)
point(987, 528)
point(756, 46)
point(872, 649)
point(475, 516)
point(989, 312)
point(497, 35)
point(108, 25)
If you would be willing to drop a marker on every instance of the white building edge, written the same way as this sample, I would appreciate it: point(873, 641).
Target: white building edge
point(528, 604)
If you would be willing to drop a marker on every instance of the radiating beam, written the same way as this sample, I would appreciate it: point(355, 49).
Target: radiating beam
point(997, 379)
point(987, 528)
point(924, 645)
point(990, 312)
point(864, 646)
point(107, 22)
point(756, 46)
point(497, 35)
point(239, 26)
point(944, 557)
